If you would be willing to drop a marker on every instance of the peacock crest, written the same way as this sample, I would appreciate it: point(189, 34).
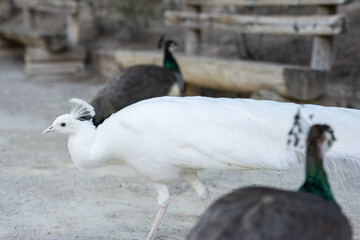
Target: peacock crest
point(81, 110)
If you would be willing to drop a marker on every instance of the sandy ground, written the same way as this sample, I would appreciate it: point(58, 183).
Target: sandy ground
point(43, 196)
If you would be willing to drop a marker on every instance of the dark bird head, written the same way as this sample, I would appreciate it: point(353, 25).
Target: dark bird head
point(168, 44)
point(321, 136)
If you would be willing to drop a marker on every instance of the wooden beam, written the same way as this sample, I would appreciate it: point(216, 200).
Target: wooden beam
point(304, 83)
point(267, 2)
point(36, 54)
point(40, 61)
point(299, 25)
point(53, 42)
point(323, 100)
point(54, 67)
point(234, 75)
point(51, 6)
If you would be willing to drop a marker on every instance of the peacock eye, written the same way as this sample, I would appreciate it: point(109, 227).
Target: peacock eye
point(63, 124)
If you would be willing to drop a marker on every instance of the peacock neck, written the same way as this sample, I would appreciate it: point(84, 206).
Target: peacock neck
point(80, 145)
point(316, 181)
point(169, 61)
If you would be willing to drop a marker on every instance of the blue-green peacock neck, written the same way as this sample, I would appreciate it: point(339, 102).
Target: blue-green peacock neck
point(316, 181)
point(169, 62)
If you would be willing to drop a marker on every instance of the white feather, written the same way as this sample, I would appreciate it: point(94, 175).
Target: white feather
point(80, 108)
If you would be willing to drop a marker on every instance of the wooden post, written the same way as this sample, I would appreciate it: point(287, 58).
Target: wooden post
point(28, 18)
point(193, 36)
point(321, 57)
point(72, 30)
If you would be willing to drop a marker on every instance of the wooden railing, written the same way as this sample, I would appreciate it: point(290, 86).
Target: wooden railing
point(30, 35)
point(300, 82)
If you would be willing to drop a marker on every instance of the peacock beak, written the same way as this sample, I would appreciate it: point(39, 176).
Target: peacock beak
point(49, 129)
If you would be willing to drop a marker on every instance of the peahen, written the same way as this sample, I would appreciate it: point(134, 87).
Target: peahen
point(167, 138)
point(140, 82)
point(257, 213)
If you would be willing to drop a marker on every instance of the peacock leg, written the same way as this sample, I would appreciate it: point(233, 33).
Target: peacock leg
point(163, 201)
point(203, 193)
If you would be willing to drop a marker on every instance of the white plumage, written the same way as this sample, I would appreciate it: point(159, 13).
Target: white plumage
point(167, 138)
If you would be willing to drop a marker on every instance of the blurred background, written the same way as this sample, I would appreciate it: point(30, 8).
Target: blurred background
point(102, 27)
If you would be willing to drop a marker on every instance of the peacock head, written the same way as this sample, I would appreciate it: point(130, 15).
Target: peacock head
point(321, 136)
point(306, 134)
point(169, 44)
point(69, 123)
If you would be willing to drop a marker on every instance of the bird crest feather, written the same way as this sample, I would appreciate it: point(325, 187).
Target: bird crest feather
point(81, 110)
